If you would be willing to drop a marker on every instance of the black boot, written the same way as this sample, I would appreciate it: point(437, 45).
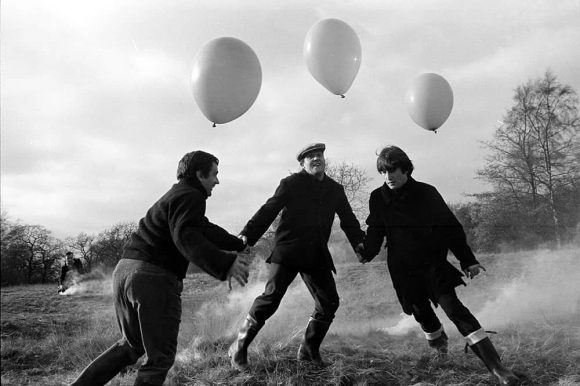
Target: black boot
point(238, 351)
point(440, 344)
point(106, 366)
point(309, 349)
point(486, 352)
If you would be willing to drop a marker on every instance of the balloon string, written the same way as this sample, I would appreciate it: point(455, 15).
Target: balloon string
point(342, 96)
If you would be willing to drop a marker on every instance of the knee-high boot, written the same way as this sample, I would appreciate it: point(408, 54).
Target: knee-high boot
point(309, 349)
point(485, 350)
point(238, 351)
point(106, 366)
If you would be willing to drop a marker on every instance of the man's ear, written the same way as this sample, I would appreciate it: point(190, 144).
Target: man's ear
point(199, 175)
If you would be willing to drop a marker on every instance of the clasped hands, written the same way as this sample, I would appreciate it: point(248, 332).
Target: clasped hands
point(359, 253)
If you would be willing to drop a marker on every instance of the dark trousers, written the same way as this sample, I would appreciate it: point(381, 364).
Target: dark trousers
point(320, 284)
point(463, 319)
point(147, 302)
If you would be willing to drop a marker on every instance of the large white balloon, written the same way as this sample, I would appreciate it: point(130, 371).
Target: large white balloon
point(226, 79)
point(429, 101)
point(333, 54)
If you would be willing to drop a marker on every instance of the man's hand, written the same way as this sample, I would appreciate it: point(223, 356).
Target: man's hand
point(240, 270)
point(359, 251)
point(247, 249)
point(473, 270)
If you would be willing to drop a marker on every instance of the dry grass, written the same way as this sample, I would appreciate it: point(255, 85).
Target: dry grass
point(47, 339)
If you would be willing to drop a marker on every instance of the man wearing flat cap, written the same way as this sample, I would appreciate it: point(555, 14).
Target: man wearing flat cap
point(308, 202)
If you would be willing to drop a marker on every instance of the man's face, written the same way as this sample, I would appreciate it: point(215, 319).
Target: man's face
point(69, 259)
point(314, 163)
point(211, 180)
point(395, 179)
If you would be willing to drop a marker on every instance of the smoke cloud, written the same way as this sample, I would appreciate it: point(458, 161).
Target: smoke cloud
point(95, 282)
point(547, 288)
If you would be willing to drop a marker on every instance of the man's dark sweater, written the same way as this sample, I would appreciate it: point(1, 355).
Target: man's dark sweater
point(175, 232)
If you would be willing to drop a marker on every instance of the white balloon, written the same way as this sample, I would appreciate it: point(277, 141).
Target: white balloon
point(333, 54)
point(226, 79)
point(429, 101)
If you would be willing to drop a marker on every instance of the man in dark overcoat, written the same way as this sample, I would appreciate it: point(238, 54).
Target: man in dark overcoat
point(420, 229)
point(148, 280)
point(70, 271)
point(308, 202)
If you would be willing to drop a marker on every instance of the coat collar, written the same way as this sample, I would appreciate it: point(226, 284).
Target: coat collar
point(389, 194)
point(194, 183)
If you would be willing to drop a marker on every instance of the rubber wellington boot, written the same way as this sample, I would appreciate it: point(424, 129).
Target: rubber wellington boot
point(486, 352)
point(309, 349)
point(238, 351)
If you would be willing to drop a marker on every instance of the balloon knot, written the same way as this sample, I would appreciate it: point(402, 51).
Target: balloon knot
point(213, 125)
point(342, 96)
point(435, 131)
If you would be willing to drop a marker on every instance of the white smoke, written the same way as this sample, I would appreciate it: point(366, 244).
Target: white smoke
point(95, 282)
point(547, 288)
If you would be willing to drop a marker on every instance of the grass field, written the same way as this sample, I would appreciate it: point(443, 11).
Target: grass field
point(531, 299)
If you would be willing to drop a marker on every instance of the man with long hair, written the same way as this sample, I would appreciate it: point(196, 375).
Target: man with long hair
point(420, 229)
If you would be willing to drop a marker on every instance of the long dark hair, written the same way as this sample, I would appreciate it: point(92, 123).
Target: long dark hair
point(391, 158)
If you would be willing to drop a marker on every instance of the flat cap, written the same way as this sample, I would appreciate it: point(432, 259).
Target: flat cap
point(309, 148)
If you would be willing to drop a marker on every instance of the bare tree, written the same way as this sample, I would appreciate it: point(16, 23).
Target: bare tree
point(355, 181)
point(84, 245)
point(37, 251)
point(534, 151)
point(109, 245)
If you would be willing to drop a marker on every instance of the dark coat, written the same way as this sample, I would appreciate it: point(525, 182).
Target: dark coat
point(77, 266)
point(175, 232)
point(420, 230)
point(308, 209)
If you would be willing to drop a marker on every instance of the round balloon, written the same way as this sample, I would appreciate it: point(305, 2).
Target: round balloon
point(333, 53)
point(226, 79)
point(429, 101)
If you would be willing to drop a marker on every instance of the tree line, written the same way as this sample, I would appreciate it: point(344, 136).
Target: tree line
point(532, 167)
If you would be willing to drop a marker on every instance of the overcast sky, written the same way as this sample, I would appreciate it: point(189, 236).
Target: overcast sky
point(97, 109)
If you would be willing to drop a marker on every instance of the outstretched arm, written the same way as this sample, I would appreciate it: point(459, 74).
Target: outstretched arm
point(266, 215)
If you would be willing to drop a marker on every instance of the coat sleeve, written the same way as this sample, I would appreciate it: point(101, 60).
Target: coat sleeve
point(188, 226)
point(376, 231)
point(348, 221)
point(266, 215)
point(222, 238)
point(450, 231)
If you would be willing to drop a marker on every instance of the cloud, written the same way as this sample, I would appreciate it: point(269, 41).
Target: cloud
point(97, 107)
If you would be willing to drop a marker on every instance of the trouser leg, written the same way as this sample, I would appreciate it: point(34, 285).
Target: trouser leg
point(459, 315)
point(123, 353)
point(265, 305)
point(326, 302)
point(158, 296)
point(149, 314)
point(431, 326)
